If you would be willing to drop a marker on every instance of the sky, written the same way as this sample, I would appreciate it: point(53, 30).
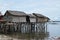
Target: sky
point(49, 8)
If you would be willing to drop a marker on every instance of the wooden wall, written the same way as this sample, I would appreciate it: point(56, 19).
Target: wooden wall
point(32, 19)
point(42, 20)
point(18, 19)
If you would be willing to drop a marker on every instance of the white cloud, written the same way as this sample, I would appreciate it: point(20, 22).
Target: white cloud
point(47, 7)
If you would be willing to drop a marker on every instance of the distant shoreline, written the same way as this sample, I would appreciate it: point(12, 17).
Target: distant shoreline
point(54, 21)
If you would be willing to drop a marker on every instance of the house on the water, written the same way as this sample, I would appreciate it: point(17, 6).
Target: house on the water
point(2, 22)
point(32, 17)
point(15, 16)
point(41, 21)
point(19, 21)
point(1, 18)
point(41, 18)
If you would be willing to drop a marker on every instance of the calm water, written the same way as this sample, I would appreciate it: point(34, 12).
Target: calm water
point(54, 29)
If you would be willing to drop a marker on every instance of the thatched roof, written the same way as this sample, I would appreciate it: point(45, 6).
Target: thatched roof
point(40, 15)
point(16, 13)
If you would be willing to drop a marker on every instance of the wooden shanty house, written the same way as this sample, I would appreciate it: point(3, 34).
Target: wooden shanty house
point(32, 18)
point(2, 22)
point(15, 16)
point(24, 23)
point(41, 18)
point(38, 22)
point(41, 22)
point(19, 19)
point(1, 19)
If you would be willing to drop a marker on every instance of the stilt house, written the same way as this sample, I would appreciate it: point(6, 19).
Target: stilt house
point(25, 23)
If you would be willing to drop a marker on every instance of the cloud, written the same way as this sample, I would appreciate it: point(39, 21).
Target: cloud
point(47, 7)
point(5, 6)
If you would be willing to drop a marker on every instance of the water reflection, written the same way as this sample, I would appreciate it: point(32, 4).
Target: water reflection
point(29, 36)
